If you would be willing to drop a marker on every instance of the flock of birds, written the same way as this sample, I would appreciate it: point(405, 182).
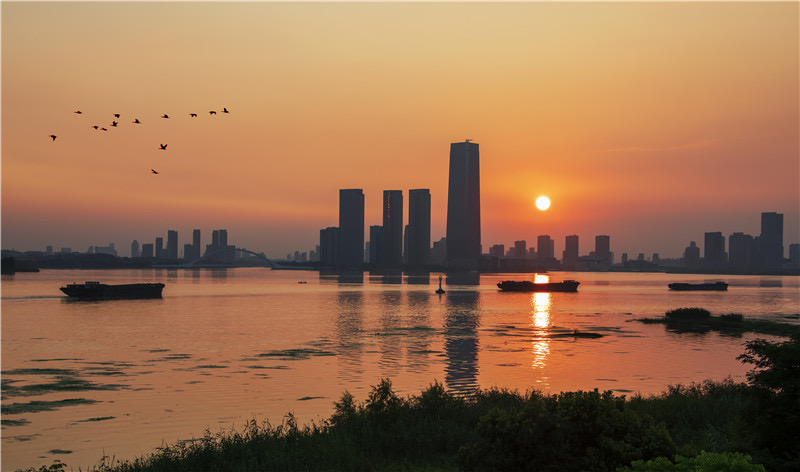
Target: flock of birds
point(114, 123)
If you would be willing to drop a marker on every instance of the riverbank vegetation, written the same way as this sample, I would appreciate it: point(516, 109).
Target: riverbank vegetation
point(700, 320)
point(712, 426)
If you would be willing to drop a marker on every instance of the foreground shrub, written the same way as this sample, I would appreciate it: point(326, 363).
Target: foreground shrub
point(689, 314)
point(704, 462)
point(573, 431)
point(776, 384)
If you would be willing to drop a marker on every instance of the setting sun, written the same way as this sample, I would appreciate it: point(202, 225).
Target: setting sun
point(543, 203)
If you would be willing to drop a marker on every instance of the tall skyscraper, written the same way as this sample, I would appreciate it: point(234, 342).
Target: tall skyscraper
point(464, 207)
point(351, 227)
point(195, 246)
point(375, 244)
point(328, 245)
point(569, 258)
point(741, 251)
point(691, 255)
point(134, 248)
point(714, 250)
point(159, 248)
point(172, 244)
point(545, 247)
point(771, 240)
point(419, 226)
point(602, 250)
point(392, 228)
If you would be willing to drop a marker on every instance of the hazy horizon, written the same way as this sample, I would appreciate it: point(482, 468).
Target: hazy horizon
point(652, 123)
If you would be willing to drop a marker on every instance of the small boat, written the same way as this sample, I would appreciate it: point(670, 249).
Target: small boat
point(97, 291)
point(528, 286)
point(717, 286)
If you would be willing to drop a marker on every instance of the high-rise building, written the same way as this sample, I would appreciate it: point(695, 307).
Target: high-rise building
point(419, 226)
point(159, 248)
point(135, 248)
point(569, 258)
point(392, 251)
point(691, 255)
point(195, 252)
point(714, 250)
point(147, 250)
point(771, 240)
point(602, 250)
point(546, 247)
point(464, 207)
point(741, 251)
point(172, 244)
point(328, 245)
point(351, 227)
point(520, 248)
point(498, 250)
point(375, 243)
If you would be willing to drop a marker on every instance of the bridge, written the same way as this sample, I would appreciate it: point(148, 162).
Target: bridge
point(207, 261)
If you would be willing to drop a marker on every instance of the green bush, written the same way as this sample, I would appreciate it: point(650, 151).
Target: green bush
point(776, 382)
point(689, 314)
point(571, 431)
point(704, 462)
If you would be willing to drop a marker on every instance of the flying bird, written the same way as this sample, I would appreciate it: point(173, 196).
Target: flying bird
point(163, 146)
point(212, 112)
point(96, 127)
point(114, 124)
point(193, 115)
point(78, 112)
point(153, 171)
point(116, 115)
point(103, 129)
point(225, 110)
point(53, 136)
point(137, 121)
point(165, 116)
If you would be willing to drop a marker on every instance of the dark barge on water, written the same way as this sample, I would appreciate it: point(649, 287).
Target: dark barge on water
point(684, 287)
point(528, 286)
point(97, 291)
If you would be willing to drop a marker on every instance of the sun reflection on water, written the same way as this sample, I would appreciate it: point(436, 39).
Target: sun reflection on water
point(540, 321)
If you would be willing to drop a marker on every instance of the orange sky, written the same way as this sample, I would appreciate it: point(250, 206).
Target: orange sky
point(652, 123)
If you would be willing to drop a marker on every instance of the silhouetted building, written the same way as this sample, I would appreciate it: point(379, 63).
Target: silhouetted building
point(546, 247)
point(188, 252)
point(794, 253)
point(602, 251)
point(105, 250)
point(135, 248)
point(391, 254)
point(159, 248)
point(520, 248)
point(569, 258)
point(498, 250)
point(351, 227)
point(691, 255)
point(771, 240)
point(172, 244)
point(742, 251)
point(439, 252)
point(419, 226)
point(464, 207)
point(714, 251)
point(328, 245)
point(147, 250)
point(375, 243)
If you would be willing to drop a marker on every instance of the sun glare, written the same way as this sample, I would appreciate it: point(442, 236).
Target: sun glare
point(543, 203)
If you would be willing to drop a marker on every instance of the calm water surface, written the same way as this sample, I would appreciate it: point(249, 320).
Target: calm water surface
point(118, 378)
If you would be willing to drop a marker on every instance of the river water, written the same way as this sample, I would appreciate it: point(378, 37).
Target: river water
point(118, 378)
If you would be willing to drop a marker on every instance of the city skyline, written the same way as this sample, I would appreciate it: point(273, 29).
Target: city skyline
point(650, 123)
